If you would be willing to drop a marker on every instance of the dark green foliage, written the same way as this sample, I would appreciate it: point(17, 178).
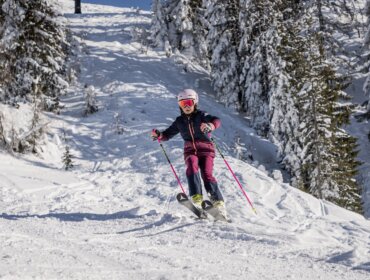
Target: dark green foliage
point(345, 171)
point(67, 159)
point(33, 52)
point(327, 153)
point(33, 45)
point(223, 41)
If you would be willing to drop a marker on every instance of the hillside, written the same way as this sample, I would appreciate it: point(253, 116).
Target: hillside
point(115, 216)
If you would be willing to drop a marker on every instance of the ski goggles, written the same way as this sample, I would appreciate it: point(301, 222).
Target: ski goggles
point(186, 103)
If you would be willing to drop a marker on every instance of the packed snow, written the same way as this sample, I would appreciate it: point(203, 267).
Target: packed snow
point(115, 216)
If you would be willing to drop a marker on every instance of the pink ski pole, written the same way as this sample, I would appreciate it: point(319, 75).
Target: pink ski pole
point(173, 169)
point(232, 172)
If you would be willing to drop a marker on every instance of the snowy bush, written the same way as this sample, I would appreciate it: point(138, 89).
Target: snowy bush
point(118, 126)
point(50, 104)
point(22, 128)
point(262, 168)
point(278, 176)
point(241, 151)
point(142, 36)
point(67, 158)
point(90, 100)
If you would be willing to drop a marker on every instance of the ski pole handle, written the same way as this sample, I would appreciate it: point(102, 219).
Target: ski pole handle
point(155, 134)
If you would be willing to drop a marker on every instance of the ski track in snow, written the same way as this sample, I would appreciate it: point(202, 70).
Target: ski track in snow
point(115, 215)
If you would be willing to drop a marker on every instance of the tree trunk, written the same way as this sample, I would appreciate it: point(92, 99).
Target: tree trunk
point(77, 6)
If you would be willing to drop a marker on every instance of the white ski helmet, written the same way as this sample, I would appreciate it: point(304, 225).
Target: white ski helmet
point(188, 94)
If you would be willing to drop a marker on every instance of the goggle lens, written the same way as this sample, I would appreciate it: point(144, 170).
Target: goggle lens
point(186, 103)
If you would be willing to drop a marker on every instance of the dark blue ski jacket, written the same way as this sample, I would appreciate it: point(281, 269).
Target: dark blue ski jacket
point(189, 128)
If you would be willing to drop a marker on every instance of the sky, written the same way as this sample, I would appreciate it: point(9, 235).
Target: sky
point(142, 4)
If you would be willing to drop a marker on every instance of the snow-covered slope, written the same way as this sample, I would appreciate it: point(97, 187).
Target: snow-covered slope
point(115, 215)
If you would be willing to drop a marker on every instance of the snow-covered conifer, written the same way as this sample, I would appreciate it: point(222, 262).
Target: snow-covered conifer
point(284, 115)
point(32, 43)
point(346, 170)
point(367, 55)
point(328, 169)
point(184, 28)
point(258, 54)
point(158, 30)
point(35, 129)
point(118, 126)
point(67, 158)
point(2, 136)
point(223, 41)
point(90, 100)
point(306, 115)
point(241, 151)
point(333, 21)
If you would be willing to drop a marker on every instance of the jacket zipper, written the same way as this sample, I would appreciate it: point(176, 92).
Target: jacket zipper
point(191, 129)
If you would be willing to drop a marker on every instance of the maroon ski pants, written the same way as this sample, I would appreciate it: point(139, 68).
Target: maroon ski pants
point(204, 163)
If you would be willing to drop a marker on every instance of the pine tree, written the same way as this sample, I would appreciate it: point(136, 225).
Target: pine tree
point(258, 56)
point(183, 27)
point(223, 41)
point(118, 126)
point(328, 153)
point(284, 115)
point(90, 100)
point(2, 136)
point(197, 39)
point(306, 113)
point(367, 56)
point(35, 129)
point(7, 58)
point(317, 101)
point(335, 20)
point(158, 31)
point(32, 44)
point(346, 170)
point(67, 158)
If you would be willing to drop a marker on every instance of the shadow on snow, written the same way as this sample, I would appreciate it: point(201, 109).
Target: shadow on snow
point(80, 217)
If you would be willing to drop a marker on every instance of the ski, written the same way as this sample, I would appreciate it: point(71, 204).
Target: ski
point(184, 200)
point(214, 212)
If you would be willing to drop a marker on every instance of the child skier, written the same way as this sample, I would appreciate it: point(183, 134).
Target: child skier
point(199, 151)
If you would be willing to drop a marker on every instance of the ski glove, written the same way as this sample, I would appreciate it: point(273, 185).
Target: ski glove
point(155, 134)
point(207, 127)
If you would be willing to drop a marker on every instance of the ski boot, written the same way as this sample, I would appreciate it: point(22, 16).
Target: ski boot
point(197, 200)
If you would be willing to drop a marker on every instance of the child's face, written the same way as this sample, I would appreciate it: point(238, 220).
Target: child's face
point(187, 106)
point(188, 109)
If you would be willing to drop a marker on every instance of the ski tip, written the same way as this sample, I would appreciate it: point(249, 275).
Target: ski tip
point(206, 204)
point(181, 196)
